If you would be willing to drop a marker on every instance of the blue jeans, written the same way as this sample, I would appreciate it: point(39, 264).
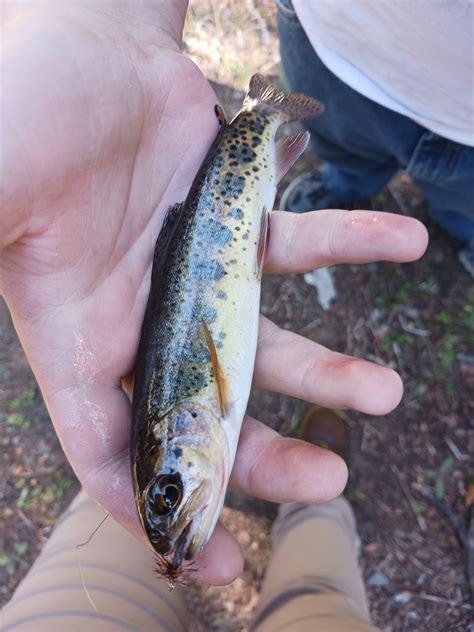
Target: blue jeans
point(363, 143)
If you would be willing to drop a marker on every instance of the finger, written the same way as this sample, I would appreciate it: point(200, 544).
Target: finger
point(321, 238)
point(295, 366)
point(221, 560)
point(281, 469)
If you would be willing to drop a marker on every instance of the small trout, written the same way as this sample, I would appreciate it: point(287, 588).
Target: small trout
point(199, 335)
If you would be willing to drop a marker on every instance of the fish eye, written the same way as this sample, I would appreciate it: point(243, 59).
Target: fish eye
point(166, 493)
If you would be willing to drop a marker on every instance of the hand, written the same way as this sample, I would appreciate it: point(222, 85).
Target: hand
point(103, 131)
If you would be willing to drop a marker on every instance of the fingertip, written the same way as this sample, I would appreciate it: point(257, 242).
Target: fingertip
point(390, 395)
point(308, 473)
point(370, 388)
point(420, 237)
point(221, 560)
point(340, 479)
point(332, 475)
point(395, 393)
point(412, 237)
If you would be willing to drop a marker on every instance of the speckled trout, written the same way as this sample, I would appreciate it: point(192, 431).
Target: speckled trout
point(199, 336)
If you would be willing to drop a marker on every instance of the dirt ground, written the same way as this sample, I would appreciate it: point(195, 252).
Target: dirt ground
point(411, 477)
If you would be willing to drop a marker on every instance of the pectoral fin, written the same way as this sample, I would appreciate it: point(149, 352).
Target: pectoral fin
point(288, 150)
point(219, 377)
point(262, 241)
point(220, 115)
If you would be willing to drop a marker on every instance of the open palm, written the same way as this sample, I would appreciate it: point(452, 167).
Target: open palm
point(102, 135)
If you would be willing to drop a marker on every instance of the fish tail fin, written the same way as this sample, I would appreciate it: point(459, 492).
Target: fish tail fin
point(293, 107)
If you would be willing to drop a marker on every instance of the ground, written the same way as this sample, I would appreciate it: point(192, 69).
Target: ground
point(411, 480)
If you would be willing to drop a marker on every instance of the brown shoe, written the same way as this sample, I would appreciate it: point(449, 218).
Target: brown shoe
point(324, 427)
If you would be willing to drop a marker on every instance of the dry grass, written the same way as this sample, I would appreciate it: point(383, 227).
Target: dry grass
point(231, 39)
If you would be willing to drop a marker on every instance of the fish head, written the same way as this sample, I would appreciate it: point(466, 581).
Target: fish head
point(182, 501)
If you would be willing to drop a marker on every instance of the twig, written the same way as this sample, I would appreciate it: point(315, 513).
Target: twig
point(309, 327)
point(456, 451)
point(448, 513)
point(470, 549)
point(411, 329)
point(25, 519)
point(464, 535)
point(364, 440)
point(398, 199)
point(422, 567)
point(435, 598)
point(420, 520)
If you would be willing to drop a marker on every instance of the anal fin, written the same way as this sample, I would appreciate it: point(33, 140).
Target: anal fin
point(262, 241)
point(219, 377)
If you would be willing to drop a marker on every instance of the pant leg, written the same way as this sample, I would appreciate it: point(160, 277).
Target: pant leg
point(444, 171)
point(359, 139)
point(117, 570)
point(313, 583)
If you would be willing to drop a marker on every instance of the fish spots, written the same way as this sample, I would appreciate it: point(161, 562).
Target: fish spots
point(232, 185)
point(220, 233)
point(209, 270)
point(236, 213)
point(257, 126)
point(178, 452)
point(208, 314)
point(222, 295)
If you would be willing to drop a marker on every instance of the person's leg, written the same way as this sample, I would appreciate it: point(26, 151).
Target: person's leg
point(444, 171)
point(117, 570)
point(359, 140)
point(313, 581)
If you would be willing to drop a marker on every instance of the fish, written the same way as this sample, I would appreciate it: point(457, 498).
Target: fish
point(198, 341)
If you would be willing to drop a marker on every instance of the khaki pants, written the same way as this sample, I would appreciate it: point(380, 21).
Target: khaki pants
point(312, 582)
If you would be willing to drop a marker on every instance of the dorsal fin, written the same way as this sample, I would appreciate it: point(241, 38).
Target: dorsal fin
point(293, 107)
point(167, 228)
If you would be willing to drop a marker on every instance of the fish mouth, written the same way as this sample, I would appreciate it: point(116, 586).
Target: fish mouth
point(172, 565)
point(179, 536)
point(185, 542)
point(182, 549)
